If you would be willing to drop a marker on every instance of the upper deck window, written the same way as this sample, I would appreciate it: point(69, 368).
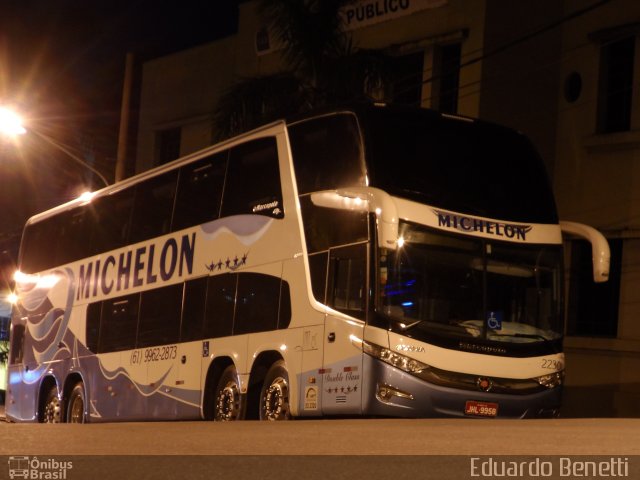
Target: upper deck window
point(327, 153)
point(464, 166)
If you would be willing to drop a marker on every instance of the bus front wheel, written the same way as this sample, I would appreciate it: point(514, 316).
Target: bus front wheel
point(274, 397)
point(229, 402)
point(75, 405)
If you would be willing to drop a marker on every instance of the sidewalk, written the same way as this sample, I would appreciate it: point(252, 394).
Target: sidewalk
point(601, 384)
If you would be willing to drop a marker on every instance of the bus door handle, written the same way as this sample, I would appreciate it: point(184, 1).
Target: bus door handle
point(331, 337)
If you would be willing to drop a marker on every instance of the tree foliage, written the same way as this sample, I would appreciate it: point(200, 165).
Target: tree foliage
point(4, 351)
point(321, 66)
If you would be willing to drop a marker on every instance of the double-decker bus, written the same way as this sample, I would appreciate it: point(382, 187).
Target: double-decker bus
point(369, 260)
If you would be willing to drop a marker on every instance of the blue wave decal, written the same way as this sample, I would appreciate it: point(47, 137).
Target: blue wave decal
point(32, 376)
point(52, 348)
point(32, 298)
point(246, 228)
point(40, 330)
point(144, 389)
point(190, 397)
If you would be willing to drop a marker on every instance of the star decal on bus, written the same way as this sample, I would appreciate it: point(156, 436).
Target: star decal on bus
point(228, 264)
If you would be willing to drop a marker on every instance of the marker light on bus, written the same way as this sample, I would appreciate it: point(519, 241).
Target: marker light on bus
point(552, 380)
point(12, 298)
point(340, 201)
point(86, 197)
point(395, 359)
point(23, 278)
point(37, 281)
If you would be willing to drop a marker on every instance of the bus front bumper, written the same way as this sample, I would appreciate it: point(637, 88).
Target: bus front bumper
point(389, 391)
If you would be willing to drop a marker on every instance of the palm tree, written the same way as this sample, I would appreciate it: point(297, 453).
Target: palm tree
point(322, 66)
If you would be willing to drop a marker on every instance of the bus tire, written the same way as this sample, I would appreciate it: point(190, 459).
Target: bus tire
point(228, 402)
point(52, 408)
point(76, 404)
point(274, 396)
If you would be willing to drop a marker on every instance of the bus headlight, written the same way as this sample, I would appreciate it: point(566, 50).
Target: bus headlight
point(404, 363)
point(552, 380)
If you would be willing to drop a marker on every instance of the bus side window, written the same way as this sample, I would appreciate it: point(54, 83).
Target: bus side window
point(253, 180)
point(256, 303)
point(318, 270)
point(153, 207)
point(119, 324)
point(327, 153)
point(348, 280)
point(200, 191)
point(320, 230)
point(35, 252)
point(17, 344)
point(193, 310)
point(71, 233)
point(221, 299)
point(159, 322)
point(94, 312)
point(284, 311)
point(113, 219)
point(321, 235)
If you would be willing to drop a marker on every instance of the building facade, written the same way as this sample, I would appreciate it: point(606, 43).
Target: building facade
point(563, 72)
point(597, 175)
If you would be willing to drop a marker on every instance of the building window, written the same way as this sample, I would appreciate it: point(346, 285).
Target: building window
point(593, 307)
point(168, 145)
point(616, 85)
point(407, 79)
point(5, 323)
point(446, 77)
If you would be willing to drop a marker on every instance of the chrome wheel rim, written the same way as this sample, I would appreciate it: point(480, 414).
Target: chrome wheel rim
point(76, 410)
point(52, 410)
point(276, 400)
point(228, 403)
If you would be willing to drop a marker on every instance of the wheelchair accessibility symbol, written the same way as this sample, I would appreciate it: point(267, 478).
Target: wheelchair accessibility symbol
point(494, 320)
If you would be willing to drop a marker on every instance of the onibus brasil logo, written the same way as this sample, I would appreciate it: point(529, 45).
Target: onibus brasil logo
point(35, 468)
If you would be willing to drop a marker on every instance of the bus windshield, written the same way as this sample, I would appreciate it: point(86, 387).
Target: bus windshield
point(451, 287)
point(465, 166)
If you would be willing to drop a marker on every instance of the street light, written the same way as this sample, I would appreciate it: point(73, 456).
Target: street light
point(11, 125)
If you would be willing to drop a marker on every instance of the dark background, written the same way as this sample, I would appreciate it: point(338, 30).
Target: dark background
point(62, 66)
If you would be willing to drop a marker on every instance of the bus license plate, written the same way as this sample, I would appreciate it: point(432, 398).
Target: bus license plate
point(481, 409)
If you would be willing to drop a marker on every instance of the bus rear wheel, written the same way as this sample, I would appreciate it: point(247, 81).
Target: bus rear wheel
point(52, 408)
point(229, 402)
point(75, 405)
point(274, 397)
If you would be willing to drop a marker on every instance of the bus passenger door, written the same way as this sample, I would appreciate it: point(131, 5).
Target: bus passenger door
point(342, 363)
point(187, 380)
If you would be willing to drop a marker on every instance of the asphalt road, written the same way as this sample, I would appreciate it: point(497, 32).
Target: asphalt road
point(320, 449)
point(329, 437)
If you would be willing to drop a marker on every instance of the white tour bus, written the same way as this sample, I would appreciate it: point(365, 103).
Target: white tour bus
point(370, 260)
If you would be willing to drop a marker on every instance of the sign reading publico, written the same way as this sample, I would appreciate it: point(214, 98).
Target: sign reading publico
point(359, 14)
point(364, 13)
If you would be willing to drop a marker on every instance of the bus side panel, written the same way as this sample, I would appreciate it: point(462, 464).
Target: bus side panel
point(310, 323)
point(342, 366)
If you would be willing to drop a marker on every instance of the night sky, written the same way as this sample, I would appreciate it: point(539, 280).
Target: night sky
point(62, 64)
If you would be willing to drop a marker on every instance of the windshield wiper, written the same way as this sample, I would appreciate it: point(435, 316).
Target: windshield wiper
point(523, 335)
point(407, 326)
point(549, 341)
